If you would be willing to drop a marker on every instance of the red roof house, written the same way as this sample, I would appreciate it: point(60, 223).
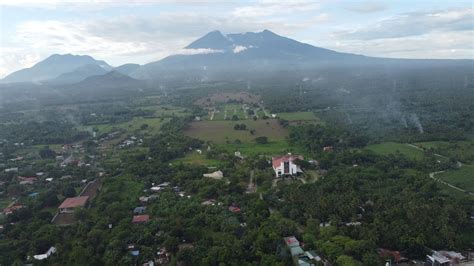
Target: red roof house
point(234, 209)
point(141, 218)
point(284, 165)
point(395, 255)
point(11, 209)
point(69, 204)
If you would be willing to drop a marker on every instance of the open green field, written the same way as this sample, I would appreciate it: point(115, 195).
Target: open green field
point(387, 148)
point(154, 125)
point(298, 116)
point(220, 132)
point(227, 111)
point(459, 150)
point(199, 159)
point(272, 148)
point(166, 110)
point(462, 177)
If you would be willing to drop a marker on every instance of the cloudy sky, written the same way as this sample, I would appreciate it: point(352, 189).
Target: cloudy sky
point(144, 31)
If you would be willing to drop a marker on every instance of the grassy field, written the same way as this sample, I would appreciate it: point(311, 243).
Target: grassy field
point(272, 148)
point(459, 150)
point(224, 97)
point(298, 116)
point(221, 132)
point(227, 111)
point(154, 125)
point(387, 148)
point(166, 110)
point(462, 177)
point(199, 159)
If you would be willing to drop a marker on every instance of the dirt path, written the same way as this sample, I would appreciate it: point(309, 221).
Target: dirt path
point(433, 174)
point(421, 149)
point(264, 110)
point(245, 112)
point(212, 114)
point(274, 182)
point(252, 187)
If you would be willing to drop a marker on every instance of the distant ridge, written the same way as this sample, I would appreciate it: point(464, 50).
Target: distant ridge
point(54, 66)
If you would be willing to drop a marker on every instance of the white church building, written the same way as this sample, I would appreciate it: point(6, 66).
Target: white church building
point(284, 165)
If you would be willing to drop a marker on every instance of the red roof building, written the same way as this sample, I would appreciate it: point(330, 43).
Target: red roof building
point(284, 165)
point(395, 255)
point(141, 218)
point(234, 209)
point(69, 204)
point(11, 209)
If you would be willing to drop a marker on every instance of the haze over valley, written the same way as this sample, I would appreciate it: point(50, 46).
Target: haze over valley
point(240, 133)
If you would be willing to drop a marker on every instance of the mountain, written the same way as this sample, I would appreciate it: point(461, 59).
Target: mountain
point(245, 52)
point(126, 69)
point(241, 56)
point(213, 40)
point(79, 74)
point(112, 79)
point(53, 66)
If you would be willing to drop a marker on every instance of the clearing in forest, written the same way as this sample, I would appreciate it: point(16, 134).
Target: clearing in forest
point(220, 132)
point(228, 97)
point(386, 148)
point(462, 177)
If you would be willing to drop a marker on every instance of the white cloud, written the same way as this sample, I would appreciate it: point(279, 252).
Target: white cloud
point(270, 8)
point(12, 59)
point(367, 7)
point(239, 48)
point(441, 45)
point(414, 23)
point(197, 51)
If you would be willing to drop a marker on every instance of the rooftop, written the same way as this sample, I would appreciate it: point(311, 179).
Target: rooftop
point(74, 202)
point(291, 241)
point(276, 161)
point(141, 218)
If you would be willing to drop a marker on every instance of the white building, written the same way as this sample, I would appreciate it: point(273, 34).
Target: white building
point(285, 165)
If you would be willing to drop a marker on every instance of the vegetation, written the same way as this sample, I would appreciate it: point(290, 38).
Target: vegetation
point(361, 189)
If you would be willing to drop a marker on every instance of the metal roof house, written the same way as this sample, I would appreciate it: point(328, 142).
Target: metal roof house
point(70, 204)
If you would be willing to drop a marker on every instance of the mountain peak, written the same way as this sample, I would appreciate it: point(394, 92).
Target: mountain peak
point(53, 66)
point(213, 40)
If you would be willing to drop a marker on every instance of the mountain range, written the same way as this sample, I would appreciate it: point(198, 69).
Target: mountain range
point(211, 57)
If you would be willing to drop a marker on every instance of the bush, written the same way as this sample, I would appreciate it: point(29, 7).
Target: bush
point(240, 127)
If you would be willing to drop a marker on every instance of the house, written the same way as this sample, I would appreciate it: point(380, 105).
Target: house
point(215, 175)
point(164, 184)
point(284, 165)
point(11, 209)
point(13, 169)
point(291, 241)
point(238, 155)
point(138, 219)
point(139, 210)
point(437, 258)
point(48, 253)
point(25, 180)
point(293, 246)
point(393, 255)
point(328, 148)
point(454, 258)
point(234, 209)
point(209, 202)
point(70, 204)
